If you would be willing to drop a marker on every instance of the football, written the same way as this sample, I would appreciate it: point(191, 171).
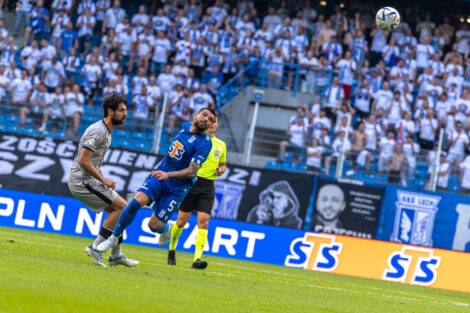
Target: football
point(387, 19)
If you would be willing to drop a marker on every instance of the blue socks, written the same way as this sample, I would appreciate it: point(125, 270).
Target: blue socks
point(160, 230)
point(126, 218)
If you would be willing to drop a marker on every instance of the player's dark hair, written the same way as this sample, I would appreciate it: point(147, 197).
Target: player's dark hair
point(112, 102)
point(211, 110)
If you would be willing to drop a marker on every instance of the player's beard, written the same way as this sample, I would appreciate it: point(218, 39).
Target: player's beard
point(199, 127)
point(117, 122)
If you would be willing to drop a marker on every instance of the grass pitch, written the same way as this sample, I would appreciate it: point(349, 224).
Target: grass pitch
point(42, 272)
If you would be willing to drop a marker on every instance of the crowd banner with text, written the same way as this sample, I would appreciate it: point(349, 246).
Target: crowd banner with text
point(433, 219)
point(346, 208)
point(367, 258)
point(42, 165)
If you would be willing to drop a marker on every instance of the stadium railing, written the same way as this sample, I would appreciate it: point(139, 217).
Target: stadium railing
point(268, 74)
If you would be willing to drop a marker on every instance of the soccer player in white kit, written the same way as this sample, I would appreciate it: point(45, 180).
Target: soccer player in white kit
point(87, 184)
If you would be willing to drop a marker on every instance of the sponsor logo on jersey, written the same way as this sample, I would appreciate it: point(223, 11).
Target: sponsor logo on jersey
point(176, 150)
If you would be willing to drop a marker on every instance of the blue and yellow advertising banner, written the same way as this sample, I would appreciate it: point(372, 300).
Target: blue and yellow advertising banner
point(367, 258)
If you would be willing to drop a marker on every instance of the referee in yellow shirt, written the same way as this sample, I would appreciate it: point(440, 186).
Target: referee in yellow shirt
point(200, 198)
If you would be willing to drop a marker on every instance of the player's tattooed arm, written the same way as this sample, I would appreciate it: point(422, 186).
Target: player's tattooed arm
point(188, 172)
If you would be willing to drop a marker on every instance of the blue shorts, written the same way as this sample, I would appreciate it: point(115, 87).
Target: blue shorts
point(167, 197)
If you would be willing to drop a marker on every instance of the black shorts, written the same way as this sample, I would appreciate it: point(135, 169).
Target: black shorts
point(200, 198)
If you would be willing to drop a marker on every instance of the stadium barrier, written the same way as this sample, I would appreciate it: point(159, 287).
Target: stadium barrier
point(337, 254)
point(262, 196)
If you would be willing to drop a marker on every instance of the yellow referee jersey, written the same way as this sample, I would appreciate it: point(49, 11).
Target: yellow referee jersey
point(208, 169)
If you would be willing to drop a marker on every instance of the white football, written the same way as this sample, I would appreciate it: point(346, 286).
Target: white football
point(387, 18)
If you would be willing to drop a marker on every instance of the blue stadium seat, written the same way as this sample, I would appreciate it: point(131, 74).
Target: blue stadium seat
point(60, 135)
point(90, 111)
point(454, 187)
point(454, 180)
point(12, 119)
point(122, 134)
point(31, 131)
point(10, 127)
point(137, 135)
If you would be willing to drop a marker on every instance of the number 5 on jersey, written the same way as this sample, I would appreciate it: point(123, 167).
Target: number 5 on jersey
point(176, 150)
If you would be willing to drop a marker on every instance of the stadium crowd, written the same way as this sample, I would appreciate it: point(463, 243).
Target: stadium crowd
point(399, 88)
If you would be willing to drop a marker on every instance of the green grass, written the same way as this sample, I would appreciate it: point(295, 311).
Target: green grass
point(41, 272)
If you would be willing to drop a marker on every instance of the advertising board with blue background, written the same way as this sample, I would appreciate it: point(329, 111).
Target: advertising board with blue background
point(440, 220)
point(69, 216)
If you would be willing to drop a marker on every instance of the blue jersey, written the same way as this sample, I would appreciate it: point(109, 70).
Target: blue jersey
point(186, 147)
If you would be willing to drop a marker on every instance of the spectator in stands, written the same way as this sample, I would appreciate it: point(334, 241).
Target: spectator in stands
point(458, 143)
point(52, 74)
point(314, 157)
point(334, 96)
point(85, 23)
point(348, 67)
point(443, 173)
point(139, 81)
point(92, 73)
point(8, 51)
point(74, 101)
point(71, 64)
point(142, 104)
point(56, 109)
point(113, 16)
point(68, 40)
point(4, 82)
point(191, 82)
point(386, 148)
point(336, 148)
point(30, 55)
point(397, 165)
point(38, 16)
point(144, 47)
point(214, 80)
point(297, 132)
point(180, 112)
point(37, 107)
point(125, 42)
point(59, 23)
point(166, 80)
point(22, 11)
point(201, 99)
point(362, 102)
point(464, 179)
point(359, 153)
point(13, 72)
point(21, 89)
point(427, 130)
point(411, 150)
point(160, 53)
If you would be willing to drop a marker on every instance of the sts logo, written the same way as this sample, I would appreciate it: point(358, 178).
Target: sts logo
point(412, 265)
point(176, 150)
point(318, 252)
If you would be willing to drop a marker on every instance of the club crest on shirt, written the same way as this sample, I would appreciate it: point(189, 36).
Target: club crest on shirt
point(217, 154)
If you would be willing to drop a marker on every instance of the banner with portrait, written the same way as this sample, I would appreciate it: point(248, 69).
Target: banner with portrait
point(346, 208)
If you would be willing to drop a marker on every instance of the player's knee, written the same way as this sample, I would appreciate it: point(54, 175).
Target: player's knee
point(203, 223)
point(180, 222)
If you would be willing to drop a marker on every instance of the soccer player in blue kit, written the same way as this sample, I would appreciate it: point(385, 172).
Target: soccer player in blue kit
point(168, 184)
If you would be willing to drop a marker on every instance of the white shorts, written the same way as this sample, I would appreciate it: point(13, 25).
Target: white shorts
point(94, 195)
